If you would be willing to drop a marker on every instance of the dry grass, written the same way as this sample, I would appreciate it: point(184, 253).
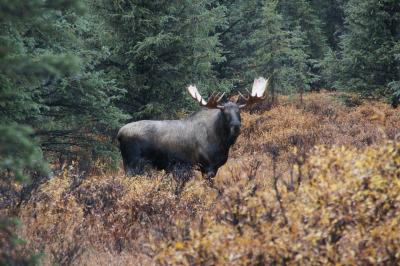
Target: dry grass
point(311, 184)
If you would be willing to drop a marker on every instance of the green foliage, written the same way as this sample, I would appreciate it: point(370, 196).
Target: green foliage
point(395, 86)
point(52, 98)
point(51, 80)
point(395, 96)
point(19, 152)
point(160, 47)
point(300, 17)
point(370, 46)
point(330, 68)
point(300, 14)
point(331, 16)
point(279, 38)
point(243, 18)
point(280, 54)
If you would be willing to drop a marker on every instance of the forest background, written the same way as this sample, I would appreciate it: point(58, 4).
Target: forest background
point(72, 72)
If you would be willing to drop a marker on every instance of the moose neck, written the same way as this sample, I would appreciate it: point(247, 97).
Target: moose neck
point(227, 136)
point(215, 119)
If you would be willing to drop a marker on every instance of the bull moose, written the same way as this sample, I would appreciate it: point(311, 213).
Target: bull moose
point(202, 139)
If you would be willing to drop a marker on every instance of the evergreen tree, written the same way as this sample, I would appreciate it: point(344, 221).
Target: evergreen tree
point(246, 22)
point(370, 62)
point(158, 48)
point(243, 19)
point(21, 72)
point(50, 81)
point(53, 97)
point(280, 54)
point(300, 14)
point(331, 17)
point(330, 68)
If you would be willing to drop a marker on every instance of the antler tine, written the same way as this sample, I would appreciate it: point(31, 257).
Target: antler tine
point(215, 98)
point(212, 96)
point(241, 95)
point(212, 101)
point(257, 93)
point(196, 95)
point(215, 95)
point(220, 98)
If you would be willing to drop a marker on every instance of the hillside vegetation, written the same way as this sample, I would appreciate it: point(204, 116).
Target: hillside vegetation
point(73, 72)
point(317, 183)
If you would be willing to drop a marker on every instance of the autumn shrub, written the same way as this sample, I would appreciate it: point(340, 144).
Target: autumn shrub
point(346, 213)
point(311, 183)
point(111, 213)
point(319, 120)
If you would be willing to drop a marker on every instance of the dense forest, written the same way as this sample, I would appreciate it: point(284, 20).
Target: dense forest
point(73, 72)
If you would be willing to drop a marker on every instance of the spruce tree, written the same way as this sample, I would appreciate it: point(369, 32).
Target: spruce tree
point(280, 54)
point(50, 80)
point(300, 14)
point(370, 63)
point(246, 23)
point(158, 49)
point(25, 63)
point(243, 19)
point(331, 17)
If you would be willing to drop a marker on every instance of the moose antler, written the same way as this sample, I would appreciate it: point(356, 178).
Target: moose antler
point(213, 101)
point(257, 93)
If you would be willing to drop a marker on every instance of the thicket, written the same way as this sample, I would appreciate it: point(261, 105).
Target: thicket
point(313, 184)
point(72, 72)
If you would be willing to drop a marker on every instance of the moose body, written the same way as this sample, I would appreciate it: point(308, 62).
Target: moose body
point(202, 139)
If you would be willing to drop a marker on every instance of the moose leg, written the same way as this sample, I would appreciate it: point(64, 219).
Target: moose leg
point(127, 167)
point(207, 167)
point(182, 173)
point(209, 174)
point(130, 156)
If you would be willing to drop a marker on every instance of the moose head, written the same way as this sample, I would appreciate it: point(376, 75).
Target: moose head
point(231, 110)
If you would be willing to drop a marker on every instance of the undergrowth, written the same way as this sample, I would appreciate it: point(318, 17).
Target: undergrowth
point(317, 183)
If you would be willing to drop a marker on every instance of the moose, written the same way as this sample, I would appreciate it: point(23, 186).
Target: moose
point(203, 139)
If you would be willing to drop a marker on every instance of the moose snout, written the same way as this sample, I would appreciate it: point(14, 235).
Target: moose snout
point(235, 127)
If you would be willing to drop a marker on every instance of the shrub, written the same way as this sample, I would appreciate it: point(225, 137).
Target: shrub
point(316, 183)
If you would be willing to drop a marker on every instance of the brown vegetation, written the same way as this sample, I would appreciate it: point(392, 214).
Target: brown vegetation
point(312, 184)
